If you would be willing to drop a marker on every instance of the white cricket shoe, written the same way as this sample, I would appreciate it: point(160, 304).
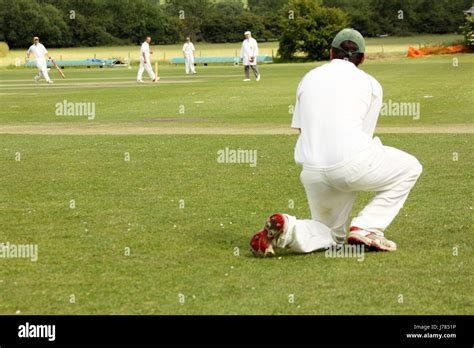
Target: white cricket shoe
point(156, 79)
point(258, 77)
point(246, 80)
point(37, 78)
point(50, 82)
point(140, 81)
point(370, 239)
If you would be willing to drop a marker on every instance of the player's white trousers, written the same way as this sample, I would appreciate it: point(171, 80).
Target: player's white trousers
point(331, 192)
point(42, 69)
point(189, 64)
point(144, 66)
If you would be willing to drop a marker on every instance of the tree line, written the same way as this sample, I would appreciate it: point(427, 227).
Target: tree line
point(70, 23)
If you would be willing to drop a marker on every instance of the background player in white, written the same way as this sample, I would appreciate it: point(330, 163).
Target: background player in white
point(145, 62)
point(39, 51)
point(336, 111)
point(189, 53)
point(248, 55)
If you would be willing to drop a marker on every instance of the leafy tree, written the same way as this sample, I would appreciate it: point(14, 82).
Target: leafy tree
point(219, 27)
point(309, 30)
point(441, 16)
point(264, 7)
point(111, 22)
point(23, 19)
point(229, 8)
point(375, 17)
point(89, 32)
point(270, 13)
point(171, 31)
point(191, 15)
point(220, 24)
point(468, 31)
point(248, 21)
point(216, 28)
point(55, 29)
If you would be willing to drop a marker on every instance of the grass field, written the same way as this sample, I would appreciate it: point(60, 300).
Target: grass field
point(387, 46)
point(167, 222)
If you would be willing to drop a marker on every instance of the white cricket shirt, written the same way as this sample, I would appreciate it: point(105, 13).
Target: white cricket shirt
point(249, 49)
point(337, 107)
point(38, 50)
point(188, 48)
point(145, 48)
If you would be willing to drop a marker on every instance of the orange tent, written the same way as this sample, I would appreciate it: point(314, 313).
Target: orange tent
point(414, 52)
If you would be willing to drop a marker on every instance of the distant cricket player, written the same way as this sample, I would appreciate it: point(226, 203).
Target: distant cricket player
point(145, 61)
point(189, 53)
point(336, 111)
point(248, 55)
point(39, 51)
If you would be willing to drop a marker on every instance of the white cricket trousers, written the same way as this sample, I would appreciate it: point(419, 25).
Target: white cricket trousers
point(148, 68)
point(189, 63)
point(42, 69)
point(331, 192)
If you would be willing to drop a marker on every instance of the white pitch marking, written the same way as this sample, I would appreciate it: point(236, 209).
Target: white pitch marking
point(120, 78)
point(97, 85)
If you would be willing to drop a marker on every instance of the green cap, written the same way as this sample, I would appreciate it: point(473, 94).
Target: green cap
point(349, 35)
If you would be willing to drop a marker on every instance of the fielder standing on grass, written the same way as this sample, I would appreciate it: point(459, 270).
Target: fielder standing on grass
point(145, 61)
point(336, 112)
point(39, 51)
point(189, 53)
point(248, 56)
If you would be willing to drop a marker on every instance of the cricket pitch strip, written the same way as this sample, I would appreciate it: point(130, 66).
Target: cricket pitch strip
point(190, 128)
